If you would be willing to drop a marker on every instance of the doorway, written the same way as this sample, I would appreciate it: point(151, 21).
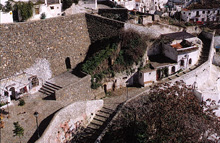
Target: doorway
point(68, 64)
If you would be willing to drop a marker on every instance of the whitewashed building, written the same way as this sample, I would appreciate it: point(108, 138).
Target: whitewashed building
point(51, 8)
point(179, 51)
point(16, 86)
point(203, 15)
point(5, 17)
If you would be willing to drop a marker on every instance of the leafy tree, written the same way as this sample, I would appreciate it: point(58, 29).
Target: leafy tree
point(18, 131)
point(8, 6)
point(1, 6)
point(169, 113)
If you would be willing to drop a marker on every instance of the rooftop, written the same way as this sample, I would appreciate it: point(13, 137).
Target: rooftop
point(160, 60)
point(177, 36)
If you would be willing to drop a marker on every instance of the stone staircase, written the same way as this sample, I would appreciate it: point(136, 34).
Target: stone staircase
point(98, 124)
point(49, 89)
point(205, 50)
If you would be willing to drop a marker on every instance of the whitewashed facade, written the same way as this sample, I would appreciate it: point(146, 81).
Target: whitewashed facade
point(204, 15)
point(18, 85)
point(184, 52)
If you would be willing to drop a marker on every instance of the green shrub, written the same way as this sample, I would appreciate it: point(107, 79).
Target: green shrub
point(23, 10)
point(18, 131)
point(21, 102)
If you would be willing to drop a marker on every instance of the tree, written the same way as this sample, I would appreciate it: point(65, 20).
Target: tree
point(23, 11)
point(18, 131)
point(169, 113)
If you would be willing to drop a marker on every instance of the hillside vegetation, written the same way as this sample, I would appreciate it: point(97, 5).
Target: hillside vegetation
point(116, 54)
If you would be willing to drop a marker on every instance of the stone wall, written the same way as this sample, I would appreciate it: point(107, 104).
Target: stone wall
point(120, 14)
point(76, 91)
point(61, 42)
point(69, 120)
point(100, 27)
point(55, 40)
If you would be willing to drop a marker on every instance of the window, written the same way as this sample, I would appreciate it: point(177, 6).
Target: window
point(34, 81)
point(6, 93)
point(203, 12)
point(189, 13)
point(136, 4)
point(208, 11)
point(37, 11)
point(23, 90)
point(197, 13)
point(57, 7)
point(52, 7)
point(202, 19)
point(183, 12)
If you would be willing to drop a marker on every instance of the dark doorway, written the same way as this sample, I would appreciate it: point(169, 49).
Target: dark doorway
point(158, 74)
point(68, 64)
point(190, 61)
point(182, 63)
point(105, 88)
point(166, 72)
point(13, 94)
point(173, 69)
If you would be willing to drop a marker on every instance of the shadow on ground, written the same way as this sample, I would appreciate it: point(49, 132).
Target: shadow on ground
point(42, 127)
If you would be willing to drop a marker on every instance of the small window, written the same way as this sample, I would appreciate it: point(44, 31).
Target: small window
point(57, 7)
point(208, 11)
point(52, 7)
point(136, 4)
point(37, 11)
point(202, 19)
point(189, 13)
point(203, 12)
point(6, 93)
point(183, 12)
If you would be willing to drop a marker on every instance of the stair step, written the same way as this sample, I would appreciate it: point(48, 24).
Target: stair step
point(53, 84)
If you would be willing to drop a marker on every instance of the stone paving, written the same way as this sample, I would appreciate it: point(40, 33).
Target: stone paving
point(25, 114)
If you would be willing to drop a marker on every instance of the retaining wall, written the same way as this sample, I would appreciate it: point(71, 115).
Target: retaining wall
point(55, 39)
point(69, 120)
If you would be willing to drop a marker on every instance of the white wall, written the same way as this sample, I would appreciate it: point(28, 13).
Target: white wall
point(146, 78)
point(47, 10)
point(203, 14)
point(6, 17)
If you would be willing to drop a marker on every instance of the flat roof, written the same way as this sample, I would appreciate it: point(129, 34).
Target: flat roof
point(160, 60)
point(177, 35)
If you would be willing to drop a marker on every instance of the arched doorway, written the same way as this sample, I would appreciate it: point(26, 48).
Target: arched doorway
point(190, 61)
point(13, 93)
point(68, 64)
